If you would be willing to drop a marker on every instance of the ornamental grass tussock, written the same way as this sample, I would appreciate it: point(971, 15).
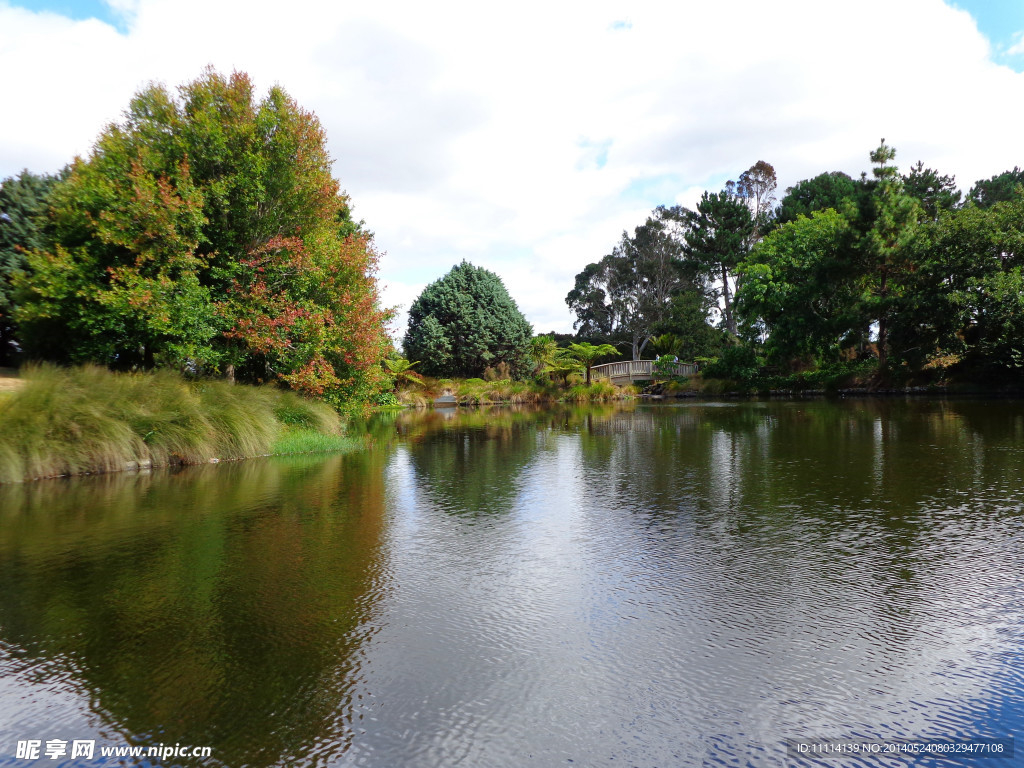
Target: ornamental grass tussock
point(67, 421)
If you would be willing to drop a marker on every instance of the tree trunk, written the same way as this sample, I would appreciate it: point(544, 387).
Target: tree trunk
point(730, 323)
point(229, 373)
point(883, 326)
point(883, 343)
point(643, 346)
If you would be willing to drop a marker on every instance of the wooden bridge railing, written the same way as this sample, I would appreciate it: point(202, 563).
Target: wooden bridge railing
point(628, 371)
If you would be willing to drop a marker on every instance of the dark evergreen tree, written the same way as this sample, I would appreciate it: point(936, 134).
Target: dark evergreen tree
point(22, 229)
point(888, 228)
point(1000, 188)
point(718, 237)
point(936, 193)
point(687, 321)
point(466, 322)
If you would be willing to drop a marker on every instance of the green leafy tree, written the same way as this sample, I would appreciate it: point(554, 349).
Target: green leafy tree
point(588, 354)
point(827, 190)
point(959, 289)
point(466, 322)
point(757, 186)
point(802, 281)
point(995, 304)
point(121, 281)
point(629, 292)
point(207, 232)
point(822, 282)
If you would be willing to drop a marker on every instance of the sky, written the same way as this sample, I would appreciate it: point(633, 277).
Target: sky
point(527, 137)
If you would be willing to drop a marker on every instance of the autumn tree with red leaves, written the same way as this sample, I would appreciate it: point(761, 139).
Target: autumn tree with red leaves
point(205, 232)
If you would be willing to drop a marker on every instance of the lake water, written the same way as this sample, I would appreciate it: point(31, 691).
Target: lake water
point(663, 585)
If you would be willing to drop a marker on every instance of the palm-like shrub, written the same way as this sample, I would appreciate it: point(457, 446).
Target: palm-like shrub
point(401, 369)
point(587, 354)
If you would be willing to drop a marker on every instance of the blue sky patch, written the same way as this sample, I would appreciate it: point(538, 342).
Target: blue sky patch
point(655, 190)
point(79, 10)
point(594, 153)
point(1002, 22)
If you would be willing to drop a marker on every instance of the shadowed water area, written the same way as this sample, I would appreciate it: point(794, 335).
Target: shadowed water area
point(675, 585)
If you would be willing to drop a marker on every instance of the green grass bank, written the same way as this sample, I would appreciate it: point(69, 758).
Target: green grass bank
point(67, 421)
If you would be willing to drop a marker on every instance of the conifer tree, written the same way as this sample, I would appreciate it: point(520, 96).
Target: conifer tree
point(466, 322)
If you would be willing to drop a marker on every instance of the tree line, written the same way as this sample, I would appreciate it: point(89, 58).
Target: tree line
point(204, 232)
point(902, 269)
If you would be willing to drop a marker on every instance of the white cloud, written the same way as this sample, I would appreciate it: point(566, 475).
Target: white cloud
point(1017, 49)
point(525, 138)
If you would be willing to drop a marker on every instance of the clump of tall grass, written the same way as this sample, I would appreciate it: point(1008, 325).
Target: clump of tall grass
point(88, 419)
point(677, 386)
point(505, 391)
point(480, 392)
point(596, 392)
point(413, 398)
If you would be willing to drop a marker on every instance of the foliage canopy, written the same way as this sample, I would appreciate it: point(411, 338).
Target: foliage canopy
point(900, 271)
point(206, 232)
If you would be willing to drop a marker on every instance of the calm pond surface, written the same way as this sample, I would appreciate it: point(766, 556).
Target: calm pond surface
point(663, 585)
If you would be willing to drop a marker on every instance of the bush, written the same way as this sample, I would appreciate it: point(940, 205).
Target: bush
point(828, 376)
point(737, 364)
point(387, 400)
point(665, 368)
